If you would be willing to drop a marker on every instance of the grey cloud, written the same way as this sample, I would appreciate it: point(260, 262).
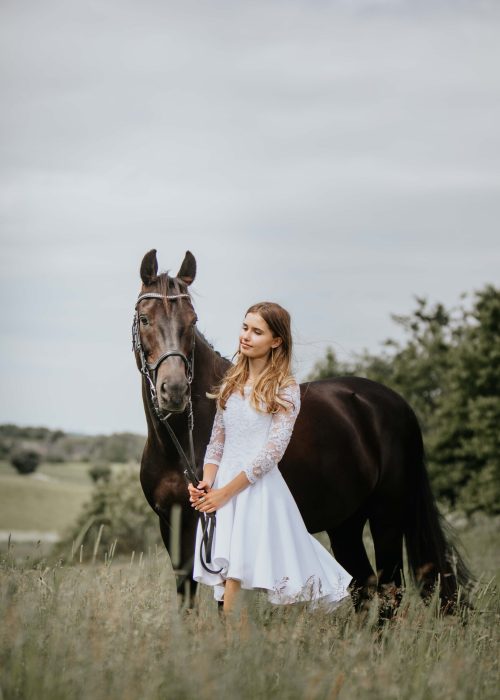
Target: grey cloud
point(337, 157)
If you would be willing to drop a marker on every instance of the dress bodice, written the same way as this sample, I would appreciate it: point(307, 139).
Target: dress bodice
point(249, 440)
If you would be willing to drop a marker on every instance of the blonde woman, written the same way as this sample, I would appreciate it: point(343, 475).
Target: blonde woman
point(260, 541)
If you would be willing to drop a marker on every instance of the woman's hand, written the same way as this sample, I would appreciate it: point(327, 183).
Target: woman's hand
point(210, 502)
point(195, 493)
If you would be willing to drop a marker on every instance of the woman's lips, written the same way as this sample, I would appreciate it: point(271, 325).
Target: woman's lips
point(245, 345)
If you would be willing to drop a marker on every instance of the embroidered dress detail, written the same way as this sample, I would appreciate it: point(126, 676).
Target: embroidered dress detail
point(213, 454)
point(261, 538)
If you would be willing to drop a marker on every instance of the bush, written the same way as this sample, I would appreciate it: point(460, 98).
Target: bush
point(119, 505)
point(100, 472)
point(25, 461)
point(4, 449)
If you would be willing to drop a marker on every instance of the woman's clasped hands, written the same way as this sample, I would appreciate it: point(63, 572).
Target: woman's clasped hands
point(206, 499)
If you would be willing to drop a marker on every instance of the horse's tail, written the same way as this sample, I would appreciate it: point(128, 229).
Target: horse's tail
point(431, 542)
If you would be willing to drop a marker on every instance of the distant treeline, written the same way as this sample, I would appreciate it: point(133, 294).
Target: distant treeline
point(58, 446)
point(448, 369)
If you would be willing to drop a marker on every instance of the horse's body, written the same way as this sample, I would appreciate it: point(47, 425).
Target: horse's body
point(356, 455)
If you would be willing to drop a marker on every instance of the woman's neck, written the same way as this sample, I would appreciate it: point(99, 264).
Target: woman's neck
point(255, 369)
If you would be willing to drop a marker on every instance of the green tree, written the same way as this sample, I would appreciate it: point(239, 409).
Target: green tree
point(465, 441)
point(329, 367)
point(448, 369)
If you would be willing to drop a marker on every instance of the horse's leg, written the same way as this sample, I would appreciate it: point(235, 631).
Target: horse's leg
point(387, 533)
point(186, 556)
point(348, 548)
point(188, 538)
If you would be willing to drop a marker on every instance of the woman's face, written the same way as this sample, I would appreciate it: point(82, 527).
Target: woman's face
point(256, 339)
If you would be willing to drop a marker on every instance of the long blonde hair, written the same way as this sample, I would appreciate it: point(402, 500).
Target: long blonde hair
point(276, 374)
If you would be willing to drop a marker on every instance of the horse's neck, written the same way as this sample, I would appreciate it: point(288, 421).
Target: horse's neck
point(209, 367)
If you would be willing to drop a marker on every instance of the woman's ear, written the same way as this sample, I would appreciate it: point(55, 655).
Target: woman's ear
point(276, 342)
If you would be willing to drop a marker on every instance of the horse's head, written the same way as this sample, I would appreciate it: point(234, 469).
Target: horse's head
point(164, 332)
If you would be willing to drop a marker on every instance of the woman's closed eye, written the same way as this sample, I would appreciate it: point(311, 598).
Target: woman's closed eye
point(256, 330)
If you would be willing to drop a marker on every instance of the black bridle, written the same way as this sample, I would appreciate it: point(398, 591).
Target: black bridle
point(149, 371)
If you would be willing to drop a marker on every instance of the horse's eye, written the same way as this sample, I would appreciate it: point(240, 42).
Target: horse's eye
point(144, 321)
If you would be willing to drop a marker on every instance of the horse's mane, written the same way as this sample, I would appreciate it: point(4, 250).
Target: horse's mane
point(205, 340)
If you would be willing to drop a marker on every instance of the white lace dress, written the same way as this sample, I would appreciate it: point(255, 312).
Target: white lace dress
point(260, 536)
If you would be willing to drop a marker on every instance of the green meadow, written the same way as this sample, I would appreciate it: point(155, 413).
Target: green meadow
point(117, 629)
point(47, 500)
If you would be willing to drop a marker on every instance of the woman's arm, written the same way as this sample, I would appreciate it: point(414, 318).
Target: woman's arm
point(215, 447)
point(279, 436)
point(211, 461)
point(209, 473)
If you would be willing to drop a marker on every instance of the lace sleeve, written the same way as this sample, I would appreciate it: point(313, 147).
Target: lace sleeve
point(278, 438)
point(215, 448)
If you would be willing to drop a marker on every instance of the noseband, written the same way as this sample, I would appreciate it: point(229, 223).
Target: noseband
point(149, 371)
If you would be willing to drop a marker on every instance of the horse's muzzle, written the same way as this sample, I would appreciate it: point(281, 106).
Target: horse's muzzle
point(173, 399)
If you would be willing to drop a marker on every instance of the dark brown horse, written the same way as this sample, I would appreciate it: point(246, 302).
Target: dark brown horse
point(356, 453)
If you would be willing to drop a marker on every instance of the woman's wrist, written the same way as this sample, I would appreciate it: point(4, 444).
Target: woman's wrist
point(209, 473)
point(239, 483)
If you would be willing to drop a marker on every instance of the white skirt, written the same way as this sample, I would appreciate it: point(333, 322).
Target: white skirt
point(261, 540)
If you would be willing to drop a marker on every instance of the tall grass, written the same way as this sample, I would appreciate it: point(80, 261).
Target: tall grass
point(115, 630)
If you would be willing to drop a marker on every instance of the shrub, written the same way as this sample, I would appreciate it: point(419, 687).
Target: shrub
point(4, 449)
point(101, 471)
point(118, 504)
point(25, 461)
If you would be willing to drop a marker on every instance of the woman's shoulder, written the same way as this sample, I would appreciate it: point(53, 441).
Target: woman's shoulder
point(289, 391)
point(290, 386)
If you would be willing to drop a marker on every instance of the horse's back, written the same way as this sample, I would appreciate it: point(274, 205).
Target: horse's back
point(336, 458)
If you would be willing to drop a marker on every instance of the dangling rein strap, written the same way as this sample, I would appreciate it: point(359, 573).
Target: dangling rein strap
point(207, 519)
point(208, 530)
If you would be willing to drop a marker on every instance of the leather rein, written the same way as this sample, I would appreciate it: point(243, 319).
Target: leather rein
point(149, 371)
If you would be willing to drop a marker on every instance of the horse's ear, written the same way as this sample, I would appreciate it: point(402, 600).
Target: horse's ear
point(149, 267)
point(187, 272)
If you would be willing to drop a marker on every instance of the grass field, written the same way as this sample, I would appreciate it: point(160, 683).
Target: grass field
point(115, 630)
point(47, 501)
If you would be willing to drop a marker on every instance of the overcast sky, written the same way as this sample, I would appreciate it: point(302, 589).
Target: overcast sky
point(336, 157)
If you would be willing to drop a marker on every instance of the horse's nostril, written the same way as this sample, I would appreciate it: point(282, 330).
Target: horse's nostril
point(175, 392)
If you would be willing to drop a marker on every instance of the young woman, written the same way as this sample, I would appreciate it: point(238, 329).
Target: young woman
point(260, 541)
